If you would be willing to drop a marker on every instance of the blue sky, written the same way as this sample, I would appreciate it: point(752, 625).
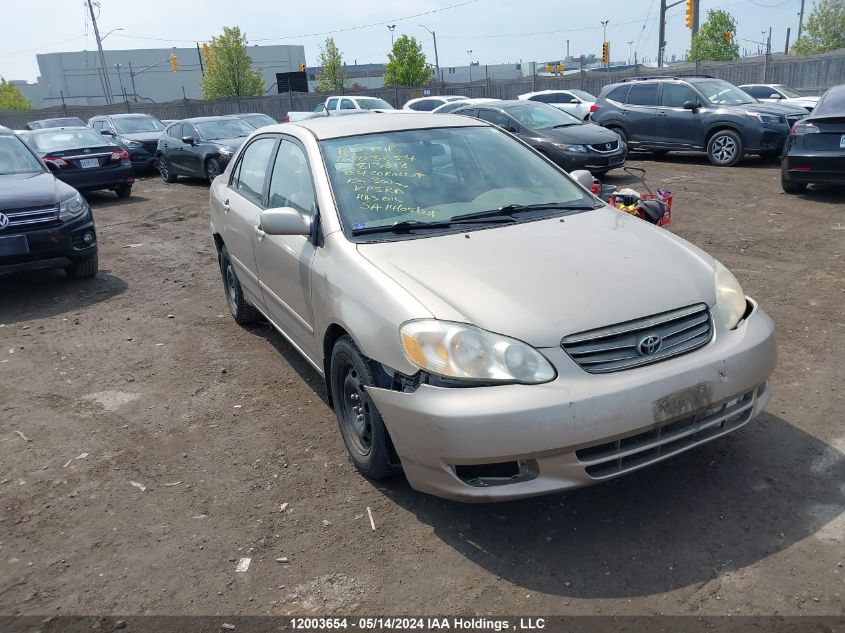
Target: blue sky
point(495, 31)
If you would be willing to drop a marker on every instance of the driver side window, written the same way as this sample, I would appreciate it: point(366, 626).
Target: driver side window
point(496, 118)
point(291, 184)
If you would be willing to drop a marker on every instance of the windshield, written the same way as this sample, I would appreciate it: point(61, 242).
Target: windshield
point(15, 158)
point(258, 120)
point(723, 93)
point(541, 116)
point(223, 128)
point(584, 96)
point(790, 92)
point(61, 140)
point(138, 124)
point(434, 175)
point(374, 104)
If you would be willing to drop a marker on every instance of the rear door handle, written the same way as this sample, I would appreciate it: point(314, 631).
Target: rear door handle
point(259, 232)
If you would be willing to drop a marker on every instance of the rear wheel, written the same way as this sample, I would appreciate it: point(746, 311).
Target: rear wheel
point(83, 268)
point(123, 191)
point(724, 149)
point(361, 425)
point(242, 312)
point(212, 169)
point(791, 187)
point(164, 169)
point(621, 134)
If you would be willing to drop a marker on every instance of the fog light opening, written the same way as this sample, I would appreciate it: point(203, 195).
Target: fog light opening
point(88, 238)
point(498, 474)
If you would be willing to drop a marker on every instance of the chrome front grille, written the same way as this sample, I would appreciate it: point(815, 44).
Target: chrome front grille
point(30, 217)
point(633, 451)
point(150, 146)
point(641, 342)
point(604, 148)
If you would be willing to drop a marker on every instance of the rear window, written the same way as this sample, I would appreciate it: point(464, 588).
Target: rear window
point(832, 103)
point(137, 124)
point(61, 140)
point(618, 94)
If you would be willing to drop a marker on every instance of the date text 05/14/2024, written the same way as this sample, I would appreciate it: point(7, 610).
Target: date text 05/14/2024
point(419, 623)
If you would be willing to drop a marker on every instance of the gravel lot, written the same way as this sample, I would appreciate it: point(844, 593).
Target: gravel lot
point(141, 376)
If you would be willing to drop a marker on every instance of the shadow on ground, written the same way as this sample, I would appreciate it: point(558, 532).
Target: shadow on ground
point(720, 507)
point(47, 293)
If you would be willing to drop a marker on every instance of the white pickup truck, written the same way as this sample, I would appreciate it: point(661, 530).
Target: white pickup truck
point(334, 106)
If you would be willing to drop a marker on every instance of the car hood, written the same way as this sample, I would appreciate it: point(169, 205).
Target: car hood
point(142, 136)
point(18, 191)
point(772, 108)
point(802, 101)
point(542, 280)
point(588, 134)
point(232, 143)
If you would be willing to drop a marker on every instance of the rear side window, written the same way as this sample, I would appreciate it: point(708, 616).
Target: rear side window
point(618, 94)
point(253, 168)
point(426, 106)
point(643, 95)
point(675, 95)
point(175, 131)
point(331, 104)
point(543, 98)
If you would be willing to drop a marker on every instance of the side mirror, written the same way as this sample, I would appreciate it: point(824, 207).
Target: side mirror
point(513, 129)
point(583, 178)
point(574, 100)
point(775, 95)
point(284, 221)
point(691, 105)
point(53, 167)
point(188, 140)
point(106, 132)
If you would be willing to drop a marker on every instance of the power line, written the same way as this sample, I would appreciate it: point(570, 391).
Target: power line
point(583, 28)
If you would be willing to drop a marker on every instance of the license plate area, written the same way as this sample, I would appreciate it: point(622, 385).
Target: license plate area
point(683, 403)
point(13, 245)
point(87, 163)
point(842, 142)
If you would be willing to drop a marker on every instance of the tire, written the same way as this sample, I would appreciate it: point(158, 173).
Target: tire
point(724, 149)
point(791, 187)
point(164, 169)
point(83, 268)
point(242, 312)
point(212, 169)
point(621, 133)
point(123, 191)
point(361, 425)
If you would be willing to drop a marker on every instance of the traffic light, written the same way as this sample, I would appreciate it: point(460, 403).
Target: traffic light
point(728, 36)
point(560, 68)
point(206, 49)
point(174, 62)
point(302, 68)
point(605, 52)
point(690, 10)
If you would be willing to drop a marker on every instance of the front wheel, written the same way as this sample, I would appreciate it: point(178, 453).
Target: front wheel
point(212, 169)
point(83, 268)
point(242, 312)
point(725, 148)
point(361, 425)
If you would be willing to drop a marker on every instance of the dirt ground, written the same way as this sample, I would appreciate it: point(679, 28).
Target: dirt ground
point(160, 439)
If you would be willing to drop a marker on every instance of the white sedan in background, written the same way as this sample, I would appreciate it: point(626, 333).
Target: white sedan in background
point(575, 102)
point(429, 104)
point(778, 93)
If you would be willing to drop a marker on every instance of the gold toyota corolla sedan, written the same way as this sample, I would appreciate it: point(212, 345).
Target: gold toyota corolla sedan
point(483, 323)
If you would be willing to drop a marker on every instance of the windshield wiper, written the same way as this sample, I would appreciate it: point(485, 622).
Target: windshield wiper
point(410, 225)
point(509, 209)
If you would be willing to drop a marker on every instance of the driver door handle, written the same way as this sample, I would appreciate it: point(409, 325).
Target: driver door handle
point(226, 206)
point(259, 232)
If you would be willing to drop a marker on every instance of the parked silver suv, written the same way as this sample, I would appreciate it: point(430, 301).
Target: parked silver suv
point(481, 321)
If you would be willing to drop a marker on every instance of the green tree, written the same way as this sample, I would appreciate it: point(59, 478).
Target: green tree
point(11, 98)
point(406, 64)
point(711, 43)
point(331, 77)
point(228, 68)
point(825, 30)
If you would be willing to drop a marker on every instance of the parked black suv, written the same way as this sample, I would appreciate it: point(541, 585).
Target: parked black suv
point(694, 113)
point(44, 222)
point(138, 134)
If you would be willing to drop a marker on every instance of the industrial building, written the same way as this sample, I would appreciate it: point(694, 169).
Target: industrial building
point(76, 78)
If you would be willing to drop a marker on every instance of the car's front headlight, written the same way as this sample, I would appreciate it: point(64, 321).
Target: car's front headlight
point(770, 119)
point(226, 151)
point(465, 352)
point(730, 299)
point(72, 208)
point(564, 147)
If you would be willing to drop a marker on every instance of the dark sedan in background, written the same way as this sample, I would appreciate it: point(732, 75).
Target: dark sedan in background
point(44, 222)
point(256, 119)
point(200, 147)
point(43, 124)
point(815, 150)
point(138, 134)
point(83, 158)
point(565, 139)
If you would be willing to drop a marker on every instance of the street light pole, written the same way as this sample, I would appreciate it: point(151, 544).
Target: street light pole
point(436, 59)
point(604, 39)
point(630, 47)
point(391, 27)
point(469, 52)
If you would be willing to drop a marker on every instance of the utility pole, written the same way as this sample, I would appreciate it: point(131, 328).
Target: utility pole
point(199, 55)
point(436, 59)
point(696, 12)
point(469, 52)
point(630, 48)
point(567, 50)
point(786, 46)
point(391, 28)
point(661, 34)
point(604, 40)
point(800, 21)
point(106, 82)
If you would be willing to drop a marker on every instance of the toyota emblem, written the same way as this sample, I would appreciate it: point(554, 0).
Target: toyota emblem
point(649, 345)
point(86, 151)
point(4, 221)
point(608, 146)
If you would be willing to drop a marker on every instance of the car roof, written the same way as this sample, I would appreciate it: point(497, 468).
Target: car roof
point(340, 126)
point(47, 130)
point(545, 92)
point(128, 115)
point(201, 119)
